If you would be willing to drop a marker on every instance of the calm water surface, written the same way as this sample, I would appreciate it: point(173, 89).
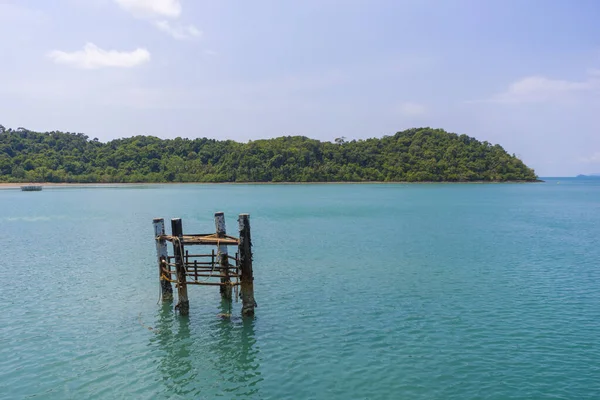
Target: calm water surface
point(364, 291)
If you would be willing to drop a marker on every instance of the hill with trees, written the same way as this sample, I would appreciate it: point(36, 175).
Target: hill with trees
point(414, 155)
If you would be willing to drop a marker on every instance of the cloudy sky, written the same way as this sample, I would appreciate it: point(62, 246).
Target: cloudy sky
point(522, 73)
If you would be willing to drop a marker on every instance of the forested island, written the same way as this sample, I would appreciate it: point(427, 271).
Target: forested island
point(414, 155)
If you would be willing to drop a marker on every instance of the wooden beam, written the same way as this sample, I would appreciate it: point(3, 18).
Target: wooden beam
point(183, 304)
point(162, 254)
point(223, 263)
point(247, 276)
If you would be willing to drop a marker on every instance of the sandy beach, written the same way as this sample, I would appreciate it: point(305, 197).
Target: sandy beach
point(4, 185)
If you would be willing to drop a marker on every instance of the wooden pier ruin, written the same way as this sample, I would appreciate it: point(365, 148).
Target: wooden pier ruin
point(229, 272)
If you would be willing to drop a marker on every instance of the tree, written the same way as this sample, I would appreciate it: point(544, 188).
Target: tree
point(418, 154)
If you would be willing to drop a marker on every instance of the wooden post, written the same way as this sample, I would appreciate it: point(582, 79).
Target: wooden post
point(163, 256)
point(247, 278)
point(183, 304)
point(223, 259)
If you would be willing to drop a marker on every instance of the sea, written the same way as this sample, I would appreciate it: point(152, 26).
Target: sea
point(364, 291)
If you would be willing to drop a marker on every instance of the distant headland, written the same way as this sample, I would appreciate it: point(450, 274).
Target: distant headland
point(413, 155)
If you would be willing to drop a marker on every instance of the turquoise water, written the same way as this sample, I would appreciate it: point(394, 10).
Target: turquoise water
point(364, 291)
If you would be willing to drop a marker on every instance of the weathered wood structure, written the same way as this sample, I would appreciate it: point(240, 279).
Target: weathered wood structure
point(209, 269)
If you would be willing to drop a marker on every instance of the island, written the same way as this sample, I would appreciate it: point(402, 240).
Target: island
point(590, 176)
point(413, 155)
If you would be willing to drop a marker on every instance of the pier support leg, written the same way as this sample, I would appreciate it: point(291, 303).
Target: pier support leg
point(183, 304)
point(223, 259)
point(245, 255)
point(162, 254)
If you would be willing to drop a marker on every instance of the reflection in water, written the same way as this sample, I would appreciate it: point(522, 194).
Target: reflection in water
point(173, 336)
point(217, 356)
point(234, 346)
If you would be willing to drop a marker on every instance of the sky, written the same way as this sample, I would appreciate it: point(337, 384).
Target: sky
point(524, 74)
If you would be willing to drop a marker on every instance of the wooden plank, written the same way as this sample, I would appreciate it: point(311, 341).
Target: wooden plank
point(211, 283)
point(207, 240)
point(217, 275)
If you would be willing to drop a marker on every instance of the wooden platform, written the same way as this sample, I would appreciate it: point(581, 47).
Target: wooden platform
point(218, 268)
point(211, 239)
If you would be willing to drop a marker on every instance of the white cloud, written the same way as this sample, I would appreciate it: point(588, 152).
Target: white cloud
point(593, 159)
point(151, 8)
point(156, 11)
point(535, 89)
point(411, 109)
point(93, 57)
point(539, 88)
point(179, 32)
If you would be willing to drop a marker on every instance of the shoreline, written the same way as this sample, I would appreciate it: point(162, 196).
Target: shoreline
point(6, 185)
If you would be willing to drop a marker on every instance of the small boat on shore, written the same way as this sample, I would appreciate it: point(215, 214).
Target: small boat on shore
point(31, 188)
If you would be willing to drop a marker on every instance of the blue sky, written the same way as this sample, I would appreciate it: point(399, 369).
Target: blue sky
point(524, 74)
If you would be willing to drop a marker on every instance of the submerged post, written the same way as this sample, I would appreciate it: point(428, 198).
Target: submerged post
point(183, 304)
point(163, 256)
point(223, 256)
point(245, 254)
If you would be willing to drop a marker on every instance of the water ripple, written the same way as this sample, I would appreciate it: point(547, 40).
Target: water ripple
point(433, 291)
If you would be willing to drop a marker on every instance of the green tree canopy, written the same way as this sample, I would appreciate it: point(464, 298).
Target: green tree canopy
point(414, 155)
